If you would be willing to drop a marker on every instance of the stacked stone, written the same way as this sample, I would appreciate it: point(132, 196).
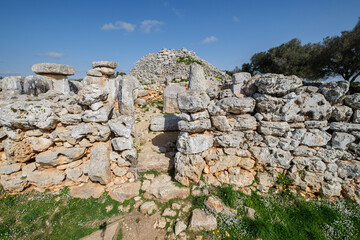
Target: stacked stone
point(51, 76)
point(267, 126)
point(78, 140)
point(164, 66)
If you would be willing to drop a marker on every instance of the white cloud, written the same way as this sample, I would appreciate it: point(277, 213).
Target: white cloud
point(147, 26)
point(235, 19)
point(210, 39)
point(119, 25)
point(51, 54)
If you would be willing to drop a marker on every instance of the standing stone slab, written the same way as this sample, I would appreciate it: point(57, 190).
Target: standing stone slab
point(99, 169)
point(170, 98)
point(13, 84)
point(197, 81)
point(126, 95)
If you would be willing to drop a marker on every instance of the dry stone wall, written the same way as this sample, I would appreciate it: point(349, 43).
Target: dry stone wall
point(62, 133)
point(269, 125)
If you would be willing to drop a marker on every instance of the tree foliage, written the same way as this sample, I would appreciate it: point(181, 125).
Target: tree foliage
point(338, 55)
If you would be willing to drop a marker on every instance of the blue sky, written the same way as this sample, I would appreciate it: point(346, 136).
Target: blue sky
point(225, 33)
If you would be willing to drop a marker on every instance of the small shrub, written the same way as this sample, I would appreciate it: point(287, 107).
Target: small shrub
point(188, 60)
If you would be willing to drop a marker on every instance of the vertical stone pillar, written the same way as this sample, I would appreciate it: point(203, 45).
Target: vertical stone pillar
point(197, 80)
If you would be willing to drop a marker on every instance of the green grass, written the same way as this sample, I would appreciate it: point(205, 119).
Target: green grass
point(188, 60)
point(48, 216)
point(278, 217)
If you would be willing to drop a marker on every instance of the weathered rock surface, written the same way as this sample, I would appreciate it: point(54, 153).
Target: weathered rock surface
point(87, 190)
point(46, 178)
point(201, 221)
point(170, 98)
point(188, 167)
point(194, 144)
point(193, 101)
point(28, 115)
point(59, 155)
point(53, 68)
point(163, 123)
point(108, 64)
point(277, 84)
point(163, 189)
point(125, 191)
point(334, 92)
point(99, 169)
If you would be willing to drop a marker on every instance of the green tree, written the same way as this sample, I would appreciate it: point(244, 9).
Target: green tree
point(341, 55)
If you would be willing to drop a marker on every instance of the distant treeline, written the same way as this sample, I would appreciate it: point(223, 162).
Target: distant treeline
point(337, 55)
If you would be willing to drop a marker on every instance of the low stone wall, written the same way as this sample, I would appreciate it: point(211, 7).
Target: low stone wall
point(52, 138)
point(270, 125)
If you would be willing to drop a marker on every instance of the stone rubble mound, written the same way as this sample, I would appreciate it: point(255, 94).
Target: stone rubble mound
point(165, 66)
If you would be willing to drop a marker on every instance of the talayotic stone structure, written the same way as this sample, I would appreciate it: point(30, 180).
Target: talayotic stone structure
point(268, 125)
point(56, 132)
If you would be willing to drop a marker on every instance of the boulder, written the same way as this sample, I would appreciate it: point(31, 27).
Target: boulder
point(17, 151)
point(202, 221)
point(274, 157)
point(180, 226)
point(348, 169)
point(28, 115)
point(194, 126)
point(163, 189)
point(39, 144)
point(315, 107)
point(102, 115)
point(163, 123)
point(9, 168)
point(193, 101)
point(34, 85)
point(125, 191)
point(12, 85)
point(53, 68)
point(94, 73)
point(105, 71)
point(344, 127)
point(331, 189)
point(14, 182)
point(274, 128)
point(334, 92)
point(221, 123)
point(239, 82)
point(232, 139)
point(46, 178)
point(341, 140)
point(353, 101)
point(107, 64)
point(188, 167)
point(341, 113)
point(148, 207)
point(59, 155)
point(187, 144)
point(217, 206)
point(316, 138)
point(119, 128)
point(277, 84)
point(122, 143)
point(99, 168)
point(237, 105)
point(87, 190)
point(91, 94)
point(242, 122)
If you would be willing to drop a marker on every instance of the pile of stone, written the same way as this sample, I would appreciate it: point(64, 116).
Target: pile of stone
point(55, 139)
point(164, 66)
point(270, 125)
